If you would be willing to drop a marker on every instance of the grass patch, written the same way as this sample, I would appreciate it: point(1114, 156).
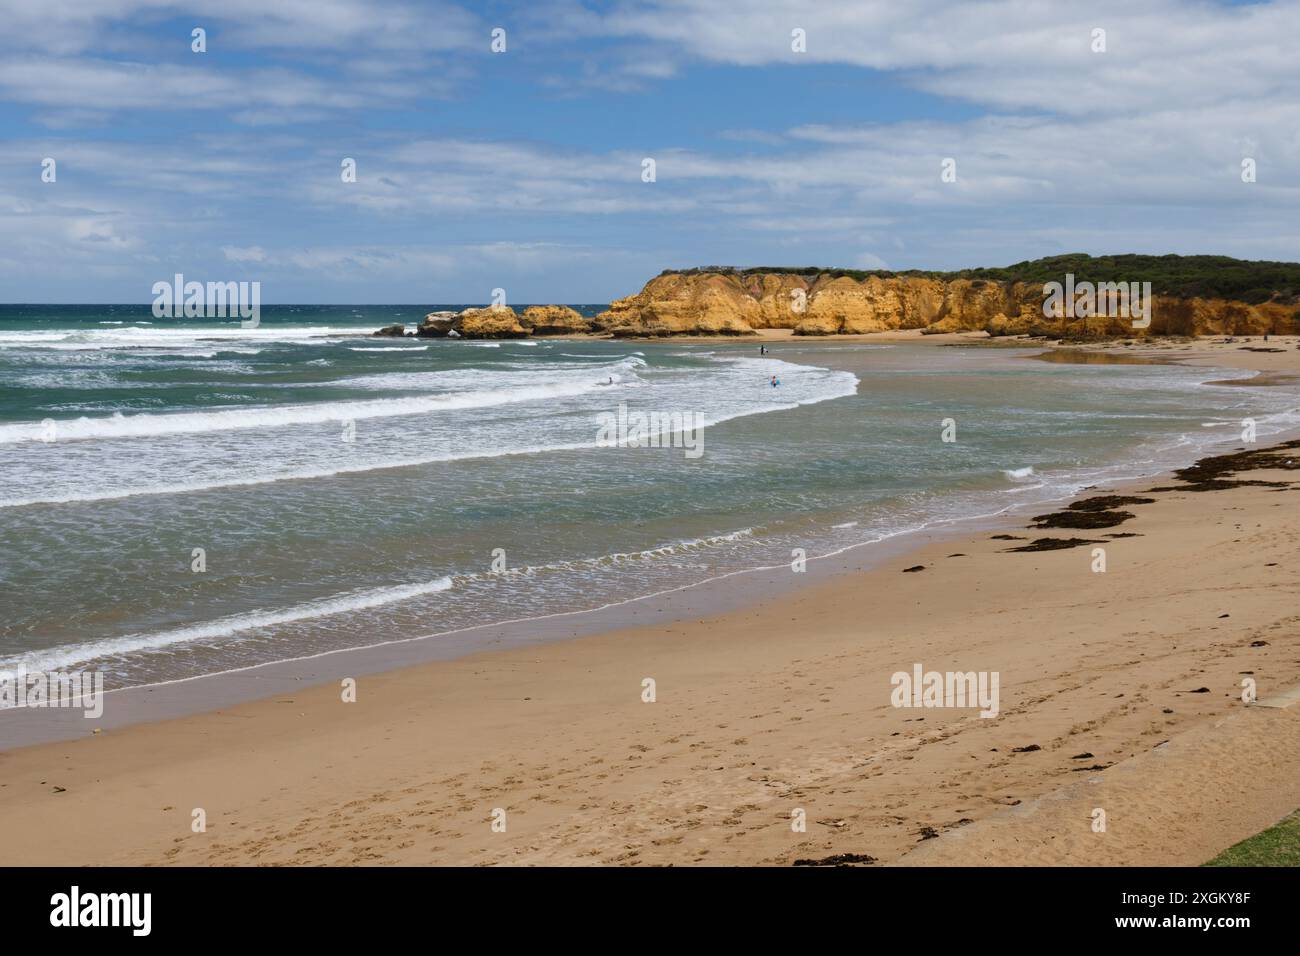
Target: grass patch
point(1277, 846)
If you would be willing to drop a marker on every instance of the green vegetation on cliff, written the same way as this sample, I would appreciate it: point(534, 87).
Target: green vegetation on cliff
point(1184, 277)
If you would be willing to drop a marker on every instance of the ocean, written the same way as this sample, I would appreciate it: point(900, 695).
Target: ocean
point(182, 497)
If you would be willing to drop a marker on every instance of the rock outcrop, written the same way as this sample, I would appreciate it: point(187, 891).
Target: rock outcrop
point(437, 325)
point(845, 306)
point(494, 322)
point(489, 323)
point(393, 331)
point(705, 304)
point(554, 320)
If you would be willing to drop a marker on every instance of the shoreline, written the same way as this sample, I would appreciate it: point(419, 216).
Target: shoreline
point(724, 593)
point(774, 703)
point(780, 664)
point(720, 594)
point(559, 735)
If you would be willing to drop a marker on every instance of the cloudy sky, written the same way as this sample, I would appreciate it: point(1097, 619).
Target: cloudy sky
point(523, 169)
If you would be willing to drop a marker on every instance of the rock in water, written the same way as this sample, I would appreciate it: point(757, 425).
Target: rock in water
point(554, 320)
point(396, 331)
point(490, 323)
point(436, 325)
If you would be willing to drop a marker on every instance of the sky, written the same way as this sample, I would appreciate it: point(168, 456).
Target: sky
point(782, 133)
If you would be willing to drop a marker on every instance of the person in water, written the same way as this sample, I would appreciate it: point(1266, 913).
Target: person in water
point(762, 350)
point(775, 381)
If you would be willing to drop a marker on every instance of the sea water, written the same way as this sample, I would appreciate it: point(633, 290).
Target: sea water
point(182, 497)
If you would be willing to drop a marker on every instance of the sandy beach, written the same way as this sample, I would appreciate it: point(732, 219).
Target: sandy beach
point(1120, 690)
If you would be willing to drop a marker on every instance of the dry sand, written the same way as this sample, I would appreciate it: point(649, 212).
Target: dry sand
point(760, 713)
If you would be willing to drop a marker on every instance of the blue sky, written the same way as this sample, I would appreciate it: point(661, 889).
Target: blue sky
point(522, 170)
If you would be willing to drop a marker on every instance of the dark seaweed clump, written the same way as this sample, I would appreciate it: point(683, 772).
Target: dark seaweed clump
point(1054, 544)
point(1107, 502)
point(1219, 471)
point(1082, 519)
point(1092, 513)
point(839, 859)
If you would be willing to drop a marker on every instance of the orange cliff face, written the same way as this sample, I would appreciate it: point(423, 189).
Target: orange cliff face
point(725, 303)
point(704, 304)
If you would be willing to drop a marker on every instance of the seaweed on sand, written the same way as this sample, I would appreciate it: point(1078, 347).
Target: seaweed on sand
point(1082, 519)
point(1219, 472)
point(1108, 502)
point(1055, 544)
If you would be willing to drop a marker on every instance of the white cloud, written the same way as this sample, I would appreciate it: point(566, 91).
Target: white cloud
point(869, 260)
point(111, 85)
point(99, 231)
point(244, 254)
point(1136, 149)
point(77, 26)
point(77, 58)
point(1010, 54)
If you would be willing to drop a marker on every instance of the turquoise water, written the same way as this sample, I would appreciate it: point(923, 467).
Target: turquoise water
point(346, 490)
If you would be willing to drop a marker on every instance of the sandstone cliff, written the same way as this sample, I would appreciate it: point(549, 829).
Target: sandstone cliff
point(704, 304)
point(737, 303)
point(1193, 295)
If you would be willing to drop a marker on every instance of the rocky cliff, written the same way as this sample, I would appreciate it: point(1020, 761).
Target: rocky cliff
point(1179, 295)
point(810, 303)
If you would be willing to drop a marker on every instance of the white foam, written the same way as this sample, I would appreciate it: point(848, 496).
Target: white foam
point(163, 336)
point(729, 390)
point(844, 384)
point(61, 657)
point(506, 374)
point(147, 424)
point(682, 546)
point(303, 474)
point(389, 348)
